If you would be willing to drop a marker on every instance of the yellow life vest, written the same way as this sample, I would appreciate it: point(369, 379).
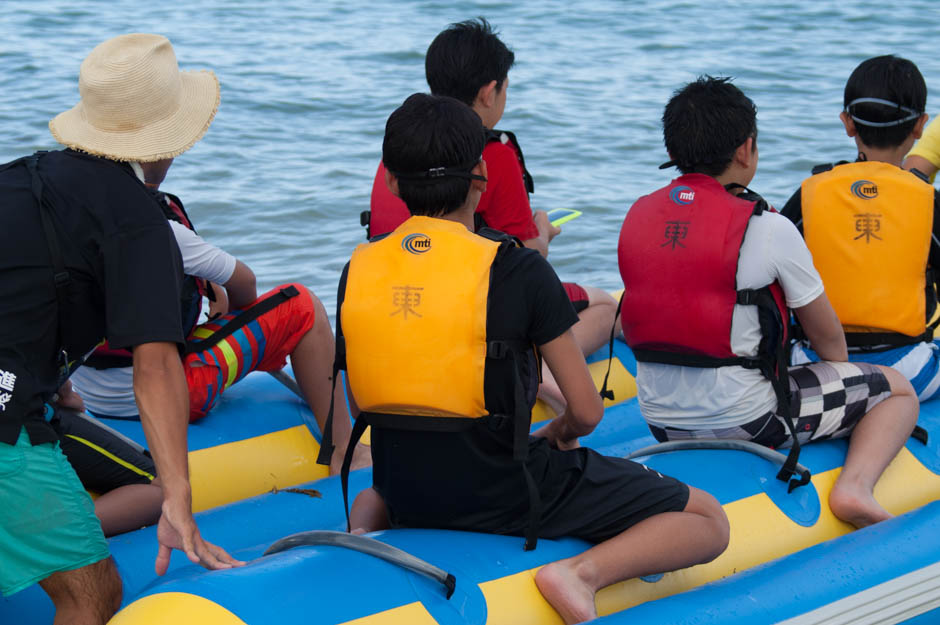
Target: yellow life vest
point(869, 226)
point(414, 320)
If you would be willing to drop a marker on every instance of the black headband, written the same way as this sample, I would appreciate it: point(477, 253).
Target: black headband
point(911, 113)
point(434, 174)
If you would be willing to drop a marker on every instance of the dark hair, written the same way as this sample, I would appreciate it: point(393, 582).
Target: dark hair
point(892, 79)
point(432, 132)
point(705, 122)
point(465, 57)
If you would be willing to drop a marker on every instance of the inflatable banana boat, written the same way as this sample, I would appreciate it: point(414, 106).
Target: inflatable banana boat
point(789, 559)
point(260, 439)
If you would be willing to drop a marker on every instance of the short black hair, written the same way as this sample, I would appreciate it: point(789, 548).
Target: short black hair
point(892, 79)
point(429, 132)
point(464, 57)
point(705, 122)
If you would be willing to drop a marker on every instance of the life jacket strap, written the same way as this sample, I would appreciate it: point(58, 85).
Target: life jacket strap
point(359, 427)
point(60, 275)
point(242, 319)
point(606, 393)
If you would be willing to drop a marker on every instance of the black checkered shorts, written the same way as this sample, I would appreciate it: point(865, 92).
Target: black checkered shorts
point(827, 398)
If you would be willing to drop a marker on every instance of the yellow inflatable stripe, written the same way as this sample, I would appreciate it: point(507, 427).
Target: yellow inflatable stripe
point(179, 608)
point(621, 382)
point(411, 614)
point(243, 469)
point(760, 532)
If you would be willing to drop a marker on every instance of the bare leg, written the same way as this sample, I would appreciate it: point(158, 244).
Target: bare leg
point(130, 507)
point(590, 332)
point(312, 360)
point(86, 596)
point(594, 322)
point(368, 513)
point(875, 441)
point(665, 542)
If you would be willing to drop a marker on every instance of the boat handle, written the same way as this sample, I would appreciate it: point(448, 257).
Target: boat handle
point(707, 443)
point(369, 546)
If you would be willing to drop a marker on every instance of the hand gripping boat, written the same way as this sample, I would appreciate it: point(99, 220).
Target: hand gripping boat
point(788, 558)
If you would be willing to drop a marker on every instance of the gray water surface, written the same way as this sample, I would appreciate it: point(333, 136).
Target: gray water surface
point(287, 166)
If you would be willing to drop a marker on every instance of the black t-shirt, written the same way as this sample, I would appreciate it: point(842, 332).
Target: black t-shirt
point(124, 265)
point(469, 479)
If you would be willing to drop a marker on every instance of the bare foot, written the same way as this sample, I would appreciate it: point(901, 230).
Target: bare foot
point(856, 505)
point(566, 592)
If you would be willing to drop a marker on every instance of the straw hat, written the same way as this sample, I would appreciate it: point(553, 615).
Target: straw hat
point(136, 105)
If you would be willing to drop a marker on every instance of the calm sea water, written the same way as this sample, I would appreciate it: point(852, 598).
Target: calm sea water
point(287, 166)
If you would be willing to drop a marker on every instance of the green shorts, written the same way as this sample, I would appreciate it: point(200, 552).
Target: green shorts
point(47, 520)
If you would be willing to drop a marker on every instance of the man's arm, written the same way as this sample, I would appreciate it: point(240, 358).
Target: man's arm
point(585, 408)
point(241, 288)
point(162, 398)
point(823, 329)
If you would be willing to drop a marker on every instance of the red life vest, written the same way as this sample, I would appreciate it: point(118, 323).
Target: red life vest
point(678, 256)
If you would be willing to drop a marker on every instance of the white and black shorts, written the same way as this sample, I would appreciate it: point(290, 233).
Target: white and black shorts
point(827, 400)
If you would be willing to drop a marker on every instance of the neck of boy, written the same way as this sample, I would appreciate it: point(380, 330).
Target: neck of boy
point(463, 215)
point(893, 156)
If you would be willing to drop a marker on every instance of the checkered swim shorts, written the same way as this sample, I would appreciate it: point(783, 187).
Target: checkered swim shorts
point(830, 397)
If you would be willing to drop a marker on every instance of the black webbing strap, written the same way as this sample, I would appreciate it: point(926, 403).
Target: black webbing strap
point(605, 393)
point(920, 434)
point(520, 437)
point(242, 319)
point(326, 436)
point(775, 370)
point(359, 427)
point(60, 274)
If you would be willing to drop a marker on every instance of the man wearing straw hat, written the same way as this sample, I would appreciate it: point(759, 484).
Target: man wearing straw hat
point(87, 253)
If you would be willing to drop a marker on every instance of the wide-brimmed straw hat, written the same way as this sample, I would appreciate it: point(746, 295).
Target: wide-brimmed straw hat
point(136, 104)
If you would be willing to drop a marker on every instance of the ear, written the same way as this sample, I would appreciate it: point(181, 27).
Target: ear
point(849, 124)
point(919, 126)
point(392, 183)
point(480, 170)
point(486, 96)
point(745, 153)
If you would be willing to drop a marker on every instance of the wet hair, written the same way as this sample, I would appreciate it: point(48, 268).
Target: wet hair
point(705, 122)
point(903, 93)
point(464, 57)
point(431, 144)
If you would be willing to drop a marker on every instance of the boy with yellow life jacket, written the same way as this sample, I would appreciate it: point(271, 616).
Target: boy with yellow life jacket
point(871, 228)
point(440, 330)
point(469, 62)
point(710, 274)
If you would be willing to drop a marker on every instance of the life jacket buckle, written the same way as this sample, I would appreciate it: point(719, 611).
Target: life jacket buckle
point(496, 349)
point(62, 278)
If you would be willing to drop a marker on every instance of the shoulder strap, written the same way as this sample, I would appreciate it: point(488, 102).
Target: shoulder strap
point(497, 135)
point(60, 275)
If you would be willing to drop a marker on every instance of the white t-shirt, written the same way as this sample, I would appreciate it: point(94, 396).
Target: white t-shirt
point(111, 391)
point(698, 398)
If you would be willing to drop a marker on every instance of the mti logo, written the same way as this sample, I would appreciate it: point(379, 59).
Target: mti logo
point(416, 243)
point(682, 195)
point(865, 189)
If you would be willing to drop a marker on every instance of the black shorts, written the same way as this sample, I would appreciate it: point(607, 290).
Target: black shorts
point(596, 497)
point(102, 458)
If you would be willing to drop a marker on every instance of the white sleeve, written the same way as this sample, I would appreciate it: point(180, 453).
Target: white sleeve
point(202, 259)
point(793, 263)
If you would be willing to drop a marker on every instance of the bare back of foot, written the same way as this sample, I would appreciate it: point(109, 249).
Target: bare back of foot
point(856, 506)
point(566, 592)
